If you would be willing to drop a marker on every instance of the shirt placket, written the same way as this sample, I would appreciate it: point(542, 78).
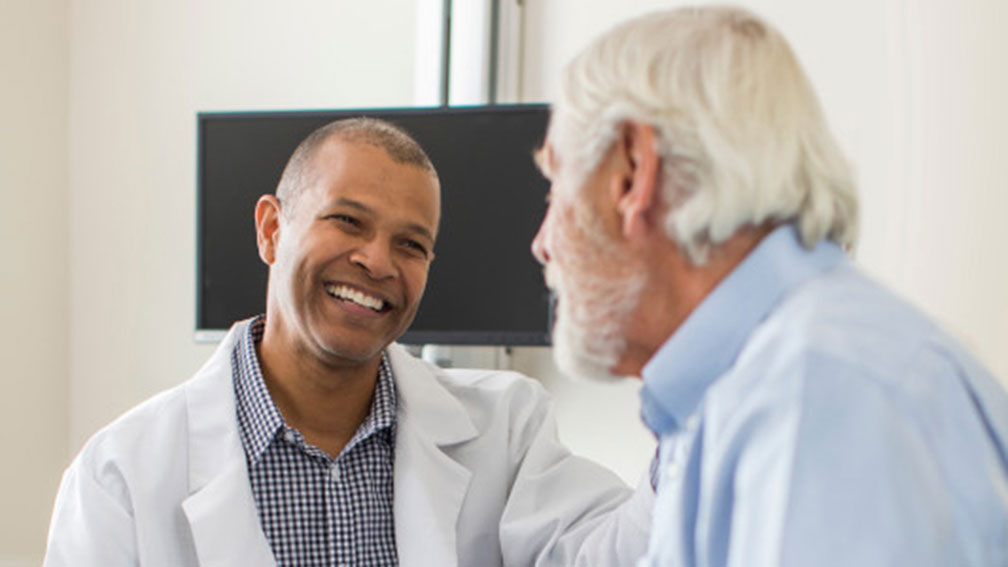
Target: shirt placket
point(321, 485)
point(340, 514)
point(672, 537)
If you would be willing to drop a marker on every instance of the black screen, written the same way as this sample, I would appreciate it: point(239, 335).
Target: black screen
point(484, 286)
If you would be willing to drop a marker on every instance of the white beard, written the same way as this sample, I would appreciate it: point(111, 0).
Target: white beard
point(596, 294)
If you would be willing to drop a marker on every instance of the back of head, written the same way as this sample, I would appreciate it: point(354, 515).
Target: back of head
point(397, 143)
point(740, 132)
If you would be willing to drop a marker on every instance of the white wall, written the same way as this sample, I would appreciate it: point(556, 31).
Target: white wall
point(140, 72)
point(33, 274)
point(914, 90)
point(955, 261)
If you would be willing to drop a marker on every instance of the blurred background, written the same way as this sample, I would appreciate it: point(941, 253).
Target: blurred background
point(98, 178)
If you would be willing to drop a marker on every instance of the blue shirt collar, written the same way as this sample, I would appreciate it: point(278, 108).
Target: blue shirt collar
point(706, 345)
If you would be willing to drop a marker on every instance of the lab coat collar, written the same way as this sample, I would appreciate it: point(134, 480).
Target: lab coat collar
point(424, 401)
point(430, 486)
point(220, 508)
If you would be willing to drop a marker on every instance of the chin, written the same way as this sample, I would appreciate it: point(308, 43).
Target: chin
point(591, 319)
point(357, 350)
point(588, 351)
point(578, 363)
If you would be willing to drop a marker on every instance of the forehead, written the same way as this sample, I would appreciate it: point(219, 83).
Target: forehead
point(560, 135)
point(565, 181)
point(367, 174)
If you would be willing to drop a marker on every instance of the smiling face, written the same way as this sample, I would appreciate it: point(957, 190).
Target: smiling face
point(349, 255)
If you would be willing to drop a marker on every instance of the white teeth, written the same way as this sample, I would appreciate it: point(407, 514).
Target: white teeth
point(349, 294)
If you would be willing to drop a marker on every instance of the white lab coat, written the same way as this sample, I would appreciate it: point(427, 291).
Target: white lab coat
point(480, 480)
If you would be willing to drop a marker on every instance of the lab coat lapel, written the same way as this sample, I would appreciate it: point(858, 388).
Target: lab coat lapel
point(430, 487)
point(220, 509)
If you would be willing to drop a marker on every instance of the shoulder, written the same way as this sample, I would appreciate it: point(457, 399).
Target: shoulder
point(116, 457)
point(845, 315)
point(464, 382)
point(485, 396)
point(844, 339)
point(502, 401)
point(153, 436)
point(844, 321)
point(493, 384)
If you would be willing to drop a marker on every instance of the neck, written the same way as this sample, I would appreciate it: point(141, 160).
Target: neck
point(675, 288)
point(327, 403)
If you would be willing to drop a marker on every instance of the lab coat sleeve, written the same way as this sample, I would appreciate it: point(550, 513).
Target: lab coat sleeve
point(564, 510)
point(90, 527)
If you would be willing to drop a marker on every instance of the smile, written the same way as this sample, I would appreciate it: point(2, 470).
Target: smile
point(347, 293)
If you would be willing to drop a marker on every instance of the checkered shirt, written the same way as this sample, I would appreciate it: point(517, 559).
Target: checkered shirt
point(316, 510)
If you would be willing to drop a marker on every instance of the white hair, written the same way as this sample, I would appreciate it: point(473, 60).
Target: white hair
point(740, 133)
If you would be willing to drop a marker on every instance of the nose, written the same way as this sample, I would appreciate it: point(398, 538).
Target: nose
point(540, 244)
point(374, 256)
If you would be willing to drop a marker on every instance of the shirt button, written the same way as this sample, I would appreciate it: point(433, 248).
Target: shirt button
point(289, 436)
point(334, 472)
point(671, 470)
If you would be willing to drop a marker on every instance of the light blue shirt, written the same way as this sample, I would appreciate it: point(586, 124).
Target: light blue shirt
point(807, 417)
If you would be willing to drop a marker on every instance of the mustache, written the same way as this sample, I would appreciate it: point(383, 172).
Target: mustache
point(551, 277)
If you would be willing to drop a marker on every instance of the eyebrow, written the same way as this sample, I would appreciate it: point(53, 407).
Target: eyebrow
point(411, 226)
point(343, 201)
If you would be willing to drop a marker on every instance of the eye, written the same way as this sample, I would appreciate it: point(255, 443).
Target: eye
point(416, 247)
point(345, 219)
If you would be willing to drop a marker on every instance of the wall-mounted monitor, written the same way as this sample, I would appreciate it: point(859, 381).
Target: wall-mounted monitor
point(484, 287)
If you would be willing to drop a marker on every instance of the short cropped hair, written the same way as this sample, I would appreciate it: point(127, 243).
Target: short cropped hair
point(400, 146)
point(740, 132)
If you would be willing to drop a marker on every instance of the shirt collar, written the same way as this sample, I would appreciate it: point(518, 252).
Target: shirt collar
point(381, 416)
point(260, 421)
point(708, 342)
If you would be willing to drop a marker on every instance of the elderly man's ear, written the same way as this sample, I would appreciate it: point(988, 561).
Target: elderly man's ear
point(637, 190)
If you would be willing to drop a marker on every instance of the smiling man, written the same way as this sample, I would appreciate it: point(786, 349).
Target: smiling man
point(310, 438)
point(699, 215)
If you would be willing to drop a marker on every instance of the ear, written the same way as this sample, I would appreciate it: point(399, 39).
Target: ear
point(637, 192)
point(267, 221)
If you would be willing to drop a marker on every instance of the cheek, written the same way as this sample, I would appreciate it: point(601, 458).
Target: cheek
point(564, 237)
point(314, 248)
point(416, 280)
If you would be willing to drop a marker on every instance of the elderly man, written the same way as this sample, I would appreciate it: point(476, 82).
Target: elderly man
point(699, 215)
point(309, 439)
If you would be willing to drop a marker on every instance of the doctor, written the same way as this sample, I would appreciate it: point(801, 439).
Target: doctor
point(309, 438)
